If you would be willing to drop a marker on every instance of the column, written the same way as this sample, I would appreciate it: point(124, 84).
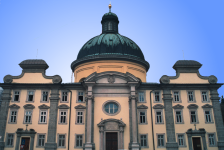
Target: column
point(170, 130)
point(218, 117)
point(134, 122)
point(52, 121)
point(6, 97)
point(89, 141)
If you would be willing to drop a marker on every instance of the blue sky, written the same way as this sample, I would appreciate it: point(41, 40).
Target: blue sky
point(163, 29)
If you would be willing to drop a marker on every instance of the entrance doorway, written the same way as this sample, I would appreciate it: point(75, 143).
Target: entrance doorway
point(26, 143)
point(111, 141)
point(196, 143)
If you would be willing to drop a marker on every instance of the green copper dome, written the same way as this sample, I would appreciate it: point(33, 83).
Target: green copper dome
point(110, 45)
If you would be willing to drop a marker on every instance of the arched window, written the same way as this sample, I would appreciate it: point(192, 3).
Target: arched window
point(110, 27)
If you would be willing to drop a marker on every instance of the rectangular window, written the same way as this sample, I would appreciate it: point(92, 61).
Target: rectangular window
point(211, 139)
point(159, 117)
point(61, 140)
point(64, 96)
point(178, 117)
point(176, 96)
point(180, 138)
point(208, 116)
point(79, 117)
point(30, 96)
point(204, 96)
point(142, 117)
point(43, 116)
point(45, 96)
point(28, 115)
point(143, 140)
point(63, 116)
point(157, 98)
point(160, 140)
point(16, 96)
point(141, 97)
point(78, 140)
point(80, 97)
point(193, 116)
point(41, 140)
point(13, 116)
point(10, 139)
point(190, 96)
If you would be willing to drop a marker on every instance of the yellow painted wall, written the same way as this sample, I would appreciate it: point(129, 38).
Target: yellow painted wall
point(188, 78)
point(84, 70)
point(124, 114)
point(32, 78)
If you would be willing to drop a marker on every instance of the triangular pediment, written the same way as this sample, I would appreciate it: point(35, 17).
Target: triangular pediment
point(158, 106)
point(142, 107)
point(207, 106)
point(63, 106)
point(14, 106)
point(80, 107)
point(28, 106)
point(43, 106)
point(178, 106)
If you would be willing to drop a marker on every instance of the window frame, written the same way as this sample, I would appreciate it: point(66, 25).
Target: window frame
point(184, 139)
point(215, 141)
point(179, 95)
point(164, 142)
point(160, 97)
point(67, 96)
point(77, 99)
point(194, 99)
point(58, 140)
point(48, 96)
point(147, 141)
point(144, 95)
point(111, 101)
point(13, 96)
point(13, 141)
point(211, 115)
point(162, 117)
point(37, 144)
point(182, 116)
point(10, 114)
point(145, 111)
point(24, 118)
point(66, 117)
point(41, 110)
point(196, 113)
point(76, 120)
point(76, 140)
point(207, 94)
point(27, 96)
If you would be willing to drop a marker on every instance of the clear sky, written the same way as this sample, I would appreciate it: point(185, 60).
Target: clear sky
point(163, 29)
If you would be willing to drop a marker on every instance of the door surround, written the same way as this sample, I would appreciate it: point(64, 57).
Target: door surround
point(199, 133)
point(111, 125)
point(25, 133)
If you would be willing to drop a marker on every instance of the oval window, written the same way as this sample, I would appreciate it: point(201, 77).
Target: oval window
point(111, 108)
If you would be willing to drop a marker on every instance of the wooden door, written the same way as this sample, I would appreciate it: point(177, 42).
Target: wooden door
point(26, 143)
point(111, 141)
point(196, 143)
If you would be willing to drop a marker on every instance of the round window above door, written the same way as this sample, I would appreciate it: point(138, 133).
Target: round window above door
point(111, 107)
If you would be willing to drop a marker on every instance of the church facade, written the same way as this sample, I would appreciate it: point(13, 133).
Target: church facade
point(110, 106)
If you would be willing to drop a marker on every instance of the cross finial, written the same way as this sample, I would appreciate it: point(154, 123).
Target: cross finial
point(26, 127)
point(110, 7)
point(195, 126)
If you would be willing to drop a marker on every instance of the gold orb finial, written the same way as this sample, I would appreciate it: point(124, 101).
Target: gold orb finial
point(110, 7)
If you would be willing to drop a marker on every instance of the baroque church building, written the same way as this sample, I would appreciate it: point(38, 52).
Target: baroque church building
point(110, 106)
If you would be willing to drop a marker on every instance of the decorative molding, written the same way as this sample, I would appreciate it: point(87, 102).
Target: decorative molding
point(14, 106)
point(142, 107)
point(111, 79)
point(178, 106)
point(43, 106)
point(63, 106)
point(212, 79)
point(28, 106)
point(207, 106)
point(158, 106)
point(192, 106)
point(103, 122)
point(80, 107)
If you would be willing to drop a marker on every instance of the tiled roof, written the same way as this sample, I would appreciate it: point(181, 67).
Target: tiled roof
point(187, 63)
point(33, 61)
